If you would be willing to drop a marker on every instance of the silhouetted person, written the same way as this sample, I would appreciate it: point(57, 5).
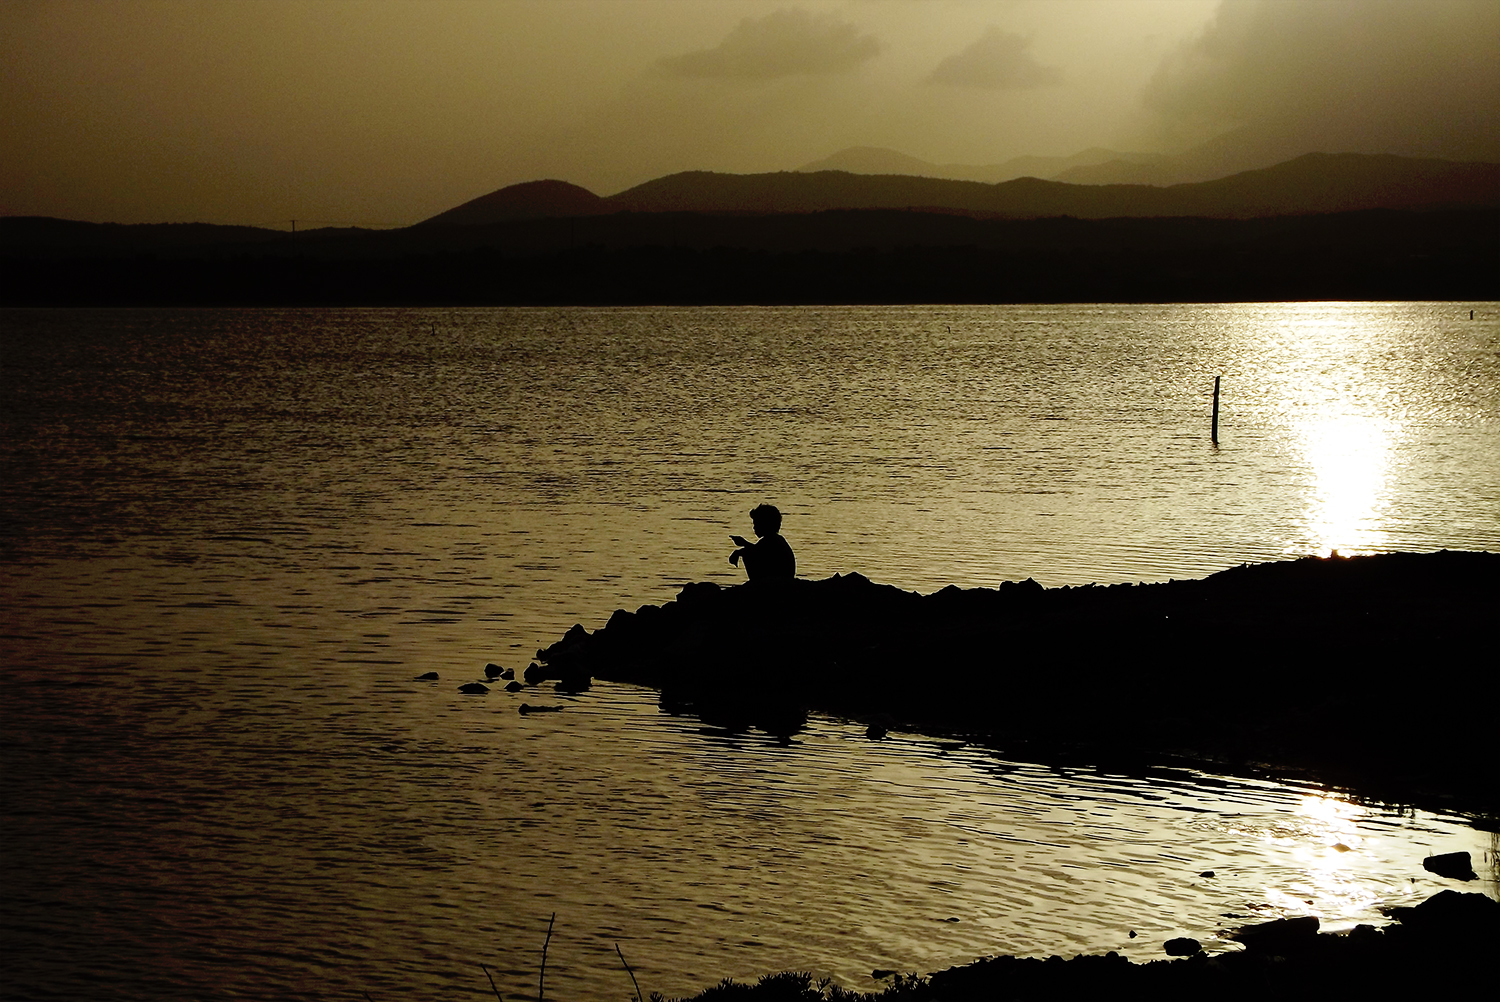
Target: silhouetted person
point(770, 557)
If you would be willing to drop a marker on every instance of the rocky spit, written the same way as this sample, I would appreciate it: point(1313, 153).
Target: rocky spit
point(1373, 673)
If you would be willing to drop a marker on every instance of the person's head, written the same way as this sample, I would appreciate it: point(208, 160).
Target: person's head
point(766, 519)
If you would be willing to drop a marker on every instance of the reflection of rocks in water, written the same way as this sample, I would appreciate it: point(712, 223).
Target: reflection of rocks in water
point(1284, 663)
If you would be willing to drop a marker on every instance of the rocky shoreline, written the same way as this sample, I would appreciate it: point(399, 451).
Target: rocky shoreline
point(1371, 673)
point(1443, 946)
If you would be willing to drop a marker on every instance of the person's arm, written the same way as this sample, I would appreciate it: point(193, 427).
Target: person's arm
point(743, 544)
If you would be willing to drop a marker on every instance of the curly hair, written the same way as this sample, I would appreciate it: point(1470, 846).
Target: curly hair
point(767, 514)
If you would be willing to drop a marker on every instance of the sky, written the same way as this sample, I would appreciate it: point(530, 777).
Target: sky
point(386, 112)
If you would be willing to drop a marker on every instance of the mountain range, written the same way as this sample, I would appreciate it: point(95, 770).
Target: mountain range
point(1320, 226)
point(1313, 183)
point(878, 160)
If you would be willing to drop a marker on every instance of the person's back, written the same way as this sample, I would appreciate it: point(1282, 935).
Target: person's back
point(769, 558)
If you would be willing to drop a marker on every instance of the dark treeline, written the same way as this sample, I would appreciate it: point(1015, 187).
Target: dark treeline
point(855, 256)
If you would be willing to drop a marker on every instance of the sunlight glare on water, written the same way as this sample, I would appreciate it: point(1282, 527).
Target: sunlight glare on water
point(234, 538)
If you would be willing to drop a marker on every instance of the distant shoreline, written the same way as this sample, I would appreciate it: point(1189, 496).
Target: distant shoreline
point(845, 257)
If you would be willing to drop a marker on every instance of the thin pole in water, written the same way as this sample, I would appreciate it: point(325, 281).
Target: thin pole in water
point(1213, 432)
point(541, 980)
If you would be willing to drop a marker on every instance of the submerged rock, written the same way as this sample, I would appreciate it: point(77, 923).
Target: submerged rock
point(474, 688)
point(430, 676)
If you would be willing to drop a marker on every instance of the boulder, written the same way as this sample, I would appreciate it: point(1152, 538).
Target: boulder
point(1281, 938)
point(1183, 946)
point(1451, 864)
point(1453, 916)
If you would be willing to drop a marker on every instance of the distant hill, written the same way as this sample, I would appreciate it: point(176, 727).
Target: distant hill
point(530, 200)
point(1234, 152)
point(1314, 183)
point(43, 236)
point(878, 160)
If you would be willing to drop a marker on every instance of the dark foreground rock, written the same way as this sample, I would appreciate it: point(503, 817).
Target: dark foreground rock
point(1371, 672)
point(1443, 947)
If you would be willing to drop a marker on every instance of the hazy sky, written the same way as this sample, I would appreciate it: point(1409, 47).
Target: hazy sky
point(389, 111)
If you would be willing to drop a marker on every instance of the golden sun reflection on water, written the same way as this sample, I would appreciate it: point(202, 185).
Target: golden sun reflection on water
point(1350, 457)
point(1333, 373)
point(1326, 844)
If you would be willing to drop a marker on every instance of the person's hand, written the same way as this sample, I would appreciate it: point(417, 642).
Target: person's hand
point(739, 540)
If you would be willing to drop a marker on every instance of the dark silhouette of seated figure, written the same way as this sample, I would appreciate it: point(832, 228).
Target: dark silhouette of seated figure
point(770, 557)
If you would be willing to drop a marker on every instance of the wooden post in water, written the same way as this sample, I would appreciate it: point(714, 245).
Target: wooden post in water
point(1213, 432)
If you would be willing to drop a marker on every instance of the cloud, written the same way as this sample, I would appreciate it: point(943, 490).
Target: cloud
point(1367, 76)
point(997, 61)
point(787, 42)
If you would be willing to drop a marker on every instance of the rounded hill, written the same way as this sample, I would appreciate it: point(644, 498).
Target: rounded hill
point(529, 200)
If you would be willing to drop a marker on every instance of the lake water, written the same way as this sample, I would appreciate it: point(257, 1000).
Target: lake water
point(231, 540)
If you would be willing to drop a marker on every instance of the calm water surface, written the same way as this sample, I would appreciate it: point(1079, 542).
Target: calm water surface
point(233, 538)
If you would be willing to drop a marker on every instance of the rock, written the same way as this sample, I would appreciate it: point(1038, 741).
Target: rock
point(474, 688)
point(849, 646)
point(508, 673)
point(573, 684)
point(514, 686)
point(430, 676)
point(1279, 938)
point(697, 593)
point(1451, 864)
point(1206, 873)
point(1452, 915)
point(1183, 946)
point(492, 671)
